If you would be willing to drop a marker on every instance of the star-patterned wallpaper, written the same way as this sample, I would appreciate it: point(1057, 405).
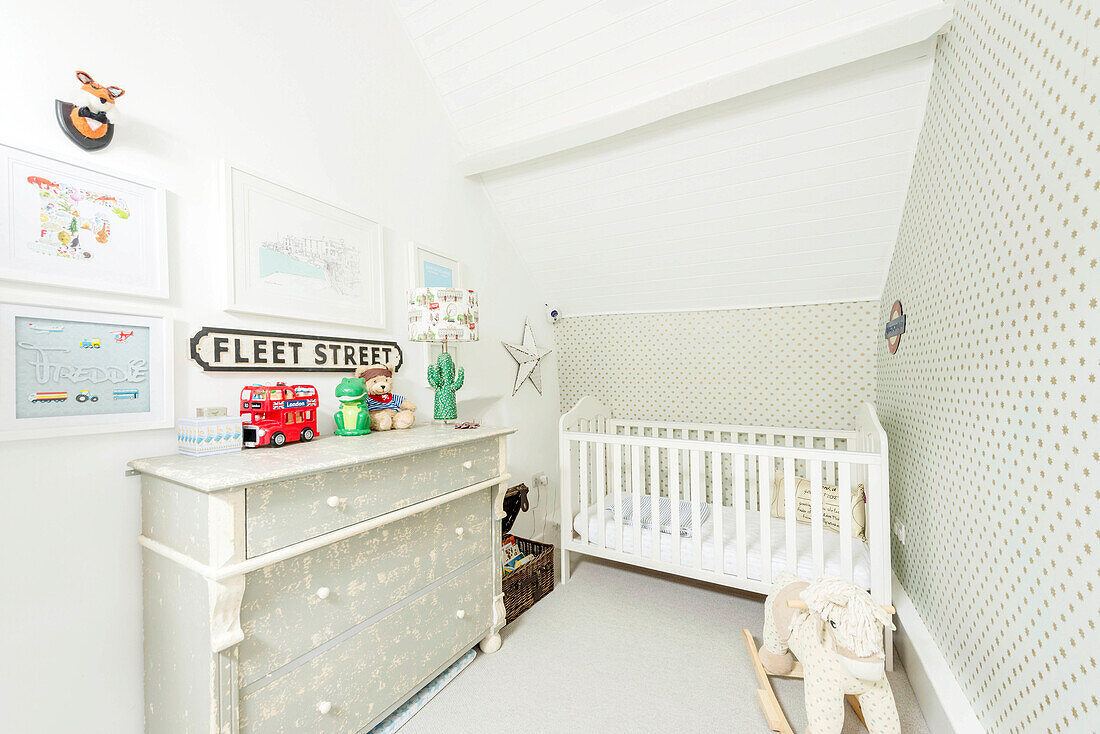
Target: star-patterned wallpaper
point(791, 366)
point(991, 401)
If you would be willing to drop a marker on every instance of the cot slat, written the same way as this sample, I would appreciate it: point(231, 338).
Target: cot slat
point(764, 475)
point(636, 496)
point(696, 459)
point(584, 491)
point(601, 491)
point(789, 515)
point(617, 492)
point(817, 517)
point(878, 534)
point(830, 466)
point(717, 495)
point(655, 501)
point(674, 501)
point(754, 479)
point(739, 507)
point(844, 493)
point(767, 495)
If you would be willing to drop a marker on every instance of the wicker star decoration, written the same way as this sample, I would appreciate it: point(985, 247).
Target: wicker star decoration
point(527, 356)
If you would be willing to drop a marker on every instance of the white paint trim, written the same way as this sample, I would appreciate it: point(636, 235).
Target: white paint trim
point(741, 307)
point(290, 551)
point(941, 698)
point(880, 38)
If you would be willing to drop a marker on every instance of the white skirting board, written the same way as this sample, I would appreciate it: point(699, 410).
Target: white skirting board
point(941, 698)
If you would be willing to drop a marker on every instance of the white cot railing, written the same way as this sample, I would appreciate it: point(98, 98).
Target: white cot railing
point(728, 467)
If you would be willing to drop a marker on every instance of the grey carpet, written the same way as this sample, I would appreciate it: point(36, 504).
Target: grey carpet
point(623, 650)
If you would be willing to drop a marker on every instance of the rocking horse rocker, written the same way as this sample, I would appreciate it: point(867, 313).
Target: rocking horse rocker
point(90, 123)
point(835, 630)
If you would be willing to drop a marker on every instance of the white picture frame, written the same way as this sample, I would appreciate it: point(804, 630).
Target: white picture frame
point(433, 269)
point(66, 372)
point(65, 224)
point(423, 265)
point(297, 257)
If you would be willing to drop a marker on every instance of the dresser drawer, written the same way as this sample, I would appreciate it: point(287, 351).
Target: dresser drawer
point(284, 615)
point(283, 513)
point(370, 671)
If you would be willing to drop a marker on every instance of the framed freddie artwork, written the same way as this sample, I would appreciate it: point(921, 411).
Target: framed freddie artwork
point(68, 372)
point(67, 225)
point(297, 257)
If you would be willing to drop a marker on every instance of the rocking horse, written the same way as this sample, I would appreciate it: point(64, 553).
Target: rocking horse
point(835, 630)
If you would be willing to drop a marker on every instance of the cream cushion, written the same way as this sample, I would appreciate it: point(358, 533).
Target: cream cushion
point(857, 504)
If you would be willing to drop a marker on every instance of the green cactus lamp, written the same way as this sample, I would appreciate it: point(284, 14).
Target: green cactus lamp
point(443, 316)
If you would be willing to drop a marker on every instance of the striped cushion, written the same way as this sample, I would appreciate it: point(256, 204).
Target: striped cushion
point(664, 508)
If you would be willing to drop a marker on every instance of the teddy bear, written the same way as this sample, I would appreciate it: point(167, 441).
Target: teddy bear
point(386, 409)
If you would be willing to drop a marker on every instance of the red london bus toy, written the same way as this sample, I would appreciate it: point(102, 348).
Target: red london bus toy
point(276, 414)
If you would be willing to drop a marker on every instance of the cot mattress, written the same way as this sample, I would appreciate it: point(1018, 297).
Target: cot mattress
point(804, 563)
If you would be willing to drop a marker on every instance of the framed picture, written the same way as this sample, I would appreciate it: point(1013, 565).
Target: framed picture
point(67, 372)
point(297, 257)
point(431, 269)
point(66, 225)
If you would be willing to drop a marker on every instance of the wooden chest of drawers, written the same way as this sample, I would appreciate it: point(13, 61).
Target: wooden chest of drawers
point(317, 586)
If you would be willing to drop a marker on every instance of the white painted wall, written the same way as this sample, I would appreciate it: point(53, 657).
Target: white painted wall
point(508, 71)
point(325, 97)
point(791, 195)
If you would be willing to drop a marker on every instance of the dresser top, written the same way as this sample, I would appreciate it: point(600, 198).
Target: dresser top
point(262, 465)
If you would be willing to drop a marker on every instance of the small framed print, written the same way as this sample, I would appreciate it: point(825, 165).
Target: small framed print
point(297, 257)
point(431, 269)
point(67, 225)
point(67, 372)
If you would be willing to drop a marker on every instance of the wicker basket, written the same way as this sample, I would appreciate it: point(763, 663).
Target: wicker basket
point(530, 582)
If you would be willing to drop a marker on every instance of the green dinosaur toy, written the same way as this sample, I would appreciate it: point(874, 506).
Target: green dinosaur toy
point(446, 381)
point(353, 418)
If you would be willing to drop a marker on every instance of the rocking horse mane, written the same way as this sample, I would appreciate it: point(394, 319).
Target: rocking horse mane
point(859, 620)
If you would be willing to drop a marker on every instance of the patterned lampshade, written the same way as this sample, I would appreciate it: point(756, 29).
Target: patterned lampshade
point(442, 315)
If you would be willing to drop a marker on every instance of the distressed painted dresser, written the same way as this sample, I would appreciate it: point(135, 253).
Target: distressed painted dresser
point(316, 587)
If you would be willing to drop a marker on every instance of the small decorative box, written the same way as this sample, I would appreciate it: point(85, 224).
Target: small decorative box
point(206, 436)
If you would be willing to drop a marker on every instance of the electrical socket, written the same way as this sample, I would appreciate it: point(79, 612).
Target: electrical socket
point(541, 479)
point(899, 530)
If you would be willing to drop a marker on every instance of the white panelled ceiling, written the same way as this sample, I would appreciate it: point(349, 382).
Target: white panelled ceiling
point(790, 191)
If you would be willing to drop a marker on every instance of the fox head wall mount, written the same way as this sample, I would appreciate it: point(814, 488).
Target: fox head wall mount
point(90, 121)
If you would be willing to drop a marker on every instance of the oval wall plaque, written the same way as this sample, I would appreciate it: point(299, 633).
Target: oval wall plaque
point(895, 327)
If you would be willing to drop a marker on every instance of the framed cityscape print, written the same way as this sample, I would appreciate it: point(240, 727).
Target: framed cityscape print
point(68, 372)
point(297, 257)
point(66, 225)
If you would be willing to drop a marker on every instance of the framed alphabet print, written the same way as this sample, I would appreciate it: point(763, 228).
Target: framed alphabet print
point(297, 257)
point(67, 225)
point(67, 372)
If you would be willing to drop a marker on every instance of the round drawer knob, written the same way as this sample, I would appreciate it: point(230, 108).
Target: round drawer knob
point(323, 592)
point(324, 707)
point(333, 501)
point(459, 531)
point(460, 613)
point(467, 465)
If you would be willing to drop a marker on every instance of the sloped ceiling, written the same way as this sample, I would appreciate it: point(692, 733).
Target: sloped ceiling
point(689, 153)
